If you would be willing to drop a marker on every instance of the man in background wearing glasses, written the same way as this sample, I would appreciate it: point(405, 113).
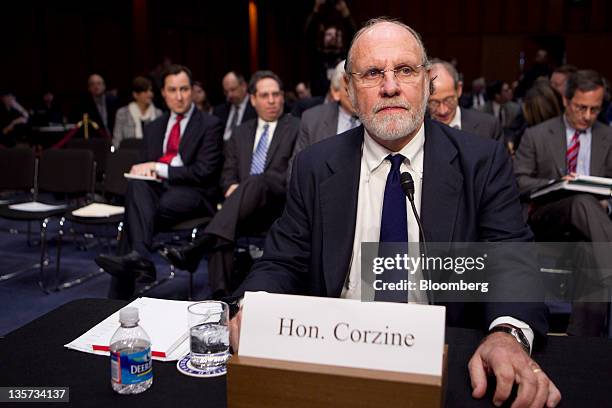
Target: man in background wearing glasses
point(444, 104)
point(346, 190)
point(562, 148)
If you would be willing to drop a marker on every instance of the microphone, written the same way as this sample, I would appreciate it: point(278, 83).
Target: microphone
point(407, 184)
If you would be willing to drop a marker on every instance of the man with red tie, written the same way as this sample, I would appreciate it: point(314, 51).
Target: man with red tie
point(562, 148)
point(183, 150)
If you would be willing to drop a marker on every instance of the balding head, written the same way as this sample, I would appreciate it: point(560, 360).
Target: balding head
point(447, 90)
point(385, 23)
point(234, 87)
point(96, 85)
point(388, 81)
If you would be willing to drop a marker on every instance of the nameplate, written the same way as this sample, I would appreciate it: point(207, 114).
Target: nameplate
point(398, 337)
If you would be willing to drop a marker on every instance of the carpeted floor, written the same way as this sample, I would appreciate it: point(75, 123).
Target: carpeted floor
point(21, 299)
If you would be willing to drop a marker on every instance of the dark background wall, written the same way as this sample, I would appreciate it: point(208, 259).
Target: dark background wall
point(57, 44)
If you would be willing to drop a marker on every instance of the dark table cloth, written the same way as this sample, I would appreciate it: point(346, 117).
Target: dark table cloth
point(33, 355)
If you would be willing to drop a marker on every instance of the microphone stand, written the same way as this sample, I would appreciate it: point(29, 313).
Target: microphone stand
point(407, 184)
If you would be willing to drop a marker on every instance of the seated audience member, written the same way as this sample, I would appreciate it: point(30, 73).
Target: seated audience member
point(443, 104)
point(98, 104)
point(302, 90)
point(558, 78)
point(345, 190)
point(236, 109)
point(540, 104)
point(561, 148)
point(253, 182)
point(47, 112)
point(500, 104)
point(477, 98)
point(131, 119)
point(183, 148)
point(13, 119)
point(328, 119)
point(200, 99)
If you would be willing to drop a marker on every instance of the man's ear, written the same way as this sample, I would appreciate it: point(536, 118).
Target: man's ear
point(335, 94)
point(459, 89)
point(565, 102)
point(252, 100)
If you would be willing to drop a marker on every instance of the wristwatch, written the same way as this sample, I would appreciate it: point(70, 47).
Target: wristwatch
point(516, 333)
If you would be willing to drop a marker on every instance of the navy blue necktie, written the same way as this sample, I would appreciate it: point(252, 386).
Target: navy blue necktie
point(393, 228)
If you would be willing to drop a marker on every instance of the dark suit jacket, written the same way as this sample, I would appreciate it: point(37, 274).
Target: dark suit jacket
point(541, 154)
point(89, 106)
point(239, 152)
point(302, 105)
point(469, 194)
point(480, 124)
point(223, 110)
point(201, 149)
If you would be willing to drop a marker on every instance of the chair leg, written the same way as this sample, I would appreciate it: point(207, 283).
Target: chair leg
point(43, 254)
point(60, 235)
point(190, 289)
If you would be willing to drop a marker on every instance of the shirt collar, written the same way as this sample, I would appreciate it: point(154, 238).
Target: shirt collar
point(186, 115)
point(456, 122)
point(375, 154)
point(261, 123)
point(570, 129)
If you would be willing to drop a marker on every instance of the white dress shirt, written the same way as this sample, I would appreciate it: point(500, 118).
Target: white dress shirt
point(260, 129)
point(344, 121)
point(456, 122)
point(162, 168)
point(583, 165)
point(239, 109)
point(372, 179)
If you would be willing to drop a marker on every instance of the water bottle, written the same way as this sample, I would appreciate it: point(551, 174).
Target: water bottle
point(130, 353)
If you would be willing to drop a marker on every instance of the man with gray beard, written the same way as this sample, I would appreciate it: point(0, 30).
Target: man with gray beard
point(346, 190)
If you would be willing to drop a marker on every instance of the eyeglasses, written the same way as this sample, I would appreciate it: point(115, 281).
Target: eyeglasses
point(449, 102)
point(375, 77)
point(583, 109)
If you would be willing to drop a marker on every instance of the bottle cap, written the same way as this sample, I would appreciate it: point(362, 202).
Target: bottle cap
point(128, 315)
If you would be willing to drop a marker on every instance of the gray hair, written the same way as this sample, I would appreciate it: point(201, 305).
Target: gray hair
point(337, 80)
point(372, 22)
point(452, 71)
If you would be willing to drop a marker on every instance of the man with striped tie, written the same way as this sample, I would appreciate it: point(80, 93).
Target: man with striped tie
point(253, 182)
point(561, 148)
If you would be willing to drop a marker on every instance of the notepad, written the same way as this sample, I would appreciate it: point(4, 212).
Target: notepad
point(165, 321)
point(599, 186)
point(136, 177)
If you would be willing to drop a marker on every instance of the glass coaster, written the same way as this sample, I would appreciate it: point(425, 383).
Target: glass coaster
point(184, 366)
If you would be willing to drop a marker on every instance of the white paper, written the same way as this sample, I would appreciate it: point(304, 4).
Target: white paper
point(136, 177)
point(35, 206)
point(165, 321)
point(98, 210)
point(325, 327)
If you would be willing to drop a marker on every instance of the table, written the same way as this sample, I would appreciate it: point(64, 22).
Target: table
point(33, 355)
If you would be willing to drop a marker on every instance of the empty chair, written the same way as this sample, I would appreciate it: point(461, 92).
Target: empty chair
point(99, 147)
point(64, 172)
point(16, 173)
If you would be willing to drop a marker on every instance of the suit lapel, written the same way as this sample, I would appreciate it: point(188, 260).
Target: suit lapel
point(442, 186)
point(330, 121)
point(188, 141)
point(338, 202)
point(279, 132)
point(599, 151)
point(558, 147)
point(246, 149)
point(157, 134)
